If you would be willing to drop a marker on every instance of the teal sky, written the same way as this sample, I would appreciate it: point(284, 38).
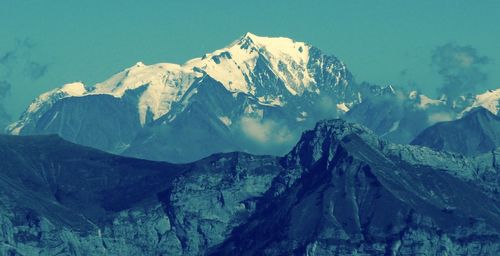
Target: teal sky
point(44, 44)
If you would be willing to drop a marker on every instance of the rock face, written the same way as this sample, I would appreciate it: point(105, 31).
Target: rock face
point(341, 190)
point(346, 193)
point(75, 118)
point(476, 133)
point(61, 198)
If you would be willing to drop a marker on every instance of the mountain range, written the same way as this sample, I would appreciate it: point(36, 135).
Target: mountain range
point(340, 190)
point(400, 117)
point(256, 95)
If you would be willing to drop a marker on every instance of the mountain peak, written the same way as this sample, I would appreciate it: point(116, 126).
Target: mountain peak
point(249, 35)
point(139, 64)
point(267, 42)
point(479, 111)
point(339, 128)
point(326, 135)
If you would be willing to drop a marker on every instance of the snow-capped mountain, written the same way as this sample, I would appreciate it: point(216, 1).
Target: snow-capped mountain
point(257, 94)
point(236, 67)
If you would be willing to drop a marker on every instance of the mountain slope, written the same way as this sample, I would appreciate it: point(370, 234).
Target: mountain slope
point(475, 133)
point(76, 186)
point(100, 121)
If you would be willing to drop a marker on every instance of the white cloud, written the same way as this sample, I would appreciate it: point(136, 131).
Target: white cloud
point(265, 132)
point(440, 117)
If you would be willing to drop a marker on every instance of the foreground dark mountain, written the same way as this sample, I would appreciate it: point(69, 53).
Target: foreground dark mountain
point(58, 198)
point(339, 191)
point(476, 133)
point(345, 193)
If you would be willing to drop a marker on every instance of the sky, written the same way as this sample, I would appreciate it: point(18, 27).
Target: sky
point(45, 44)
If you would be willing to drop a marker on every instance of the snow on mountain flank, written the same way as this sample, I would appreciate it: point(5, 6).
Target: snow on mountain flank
point(164, 84)
point(67, 90)
point(225, 120)
point(425, 102)
point(343, 107)
point(489, 100)
point(46, 100)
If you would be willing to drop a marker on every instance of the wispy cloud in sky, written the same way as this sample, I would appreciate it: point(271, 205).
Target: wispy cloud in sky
point(460, 68)
point(5, 87)
point(18, 66)
point(35, 70)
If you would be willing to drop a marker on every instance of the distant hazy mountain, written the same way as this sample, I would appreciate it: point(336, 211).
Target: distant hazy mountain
point(256, 95)
point(341, 190)
point(396, 115)
point(475, 133)
point(399, 116)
